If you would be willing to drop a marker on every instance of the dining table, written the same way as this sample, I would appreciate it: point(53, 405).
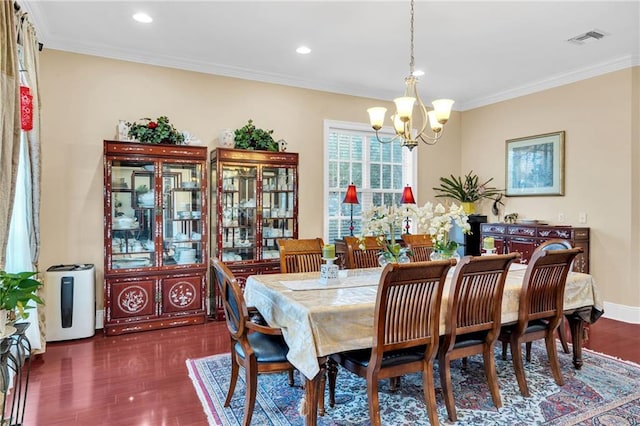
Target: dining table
point(322, 317)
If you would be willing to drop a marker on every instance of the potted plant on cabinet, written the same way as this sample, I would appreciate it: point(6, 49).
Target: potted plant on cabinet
point(16, 290)
point(251, 138)
point(466, 190)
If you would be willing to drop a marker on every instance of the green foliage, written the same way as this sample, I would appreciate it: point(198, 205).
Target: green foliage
point(248, 137)
point(466, 190)
point(159, 131)
point(16, 290)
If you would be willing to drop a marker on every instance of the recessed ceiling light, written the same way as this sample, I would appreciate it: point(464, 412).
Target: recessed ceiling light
point(303, 50)
point(143, 17)
point(418, 73)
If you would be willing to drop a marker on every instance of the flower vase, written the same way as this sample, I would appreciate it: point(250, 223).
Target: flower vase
point(386, 257)
point(469, 207)
point(445, 254)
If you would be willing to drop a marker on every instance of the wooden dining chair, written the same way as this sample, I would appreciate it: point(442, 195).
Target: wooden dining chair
point(358, 258)
point(303, 255)
point(554, 244)
point(420, 245)
point(257, 348)
point(405, 332)
point(473, 319)
point(540, 310)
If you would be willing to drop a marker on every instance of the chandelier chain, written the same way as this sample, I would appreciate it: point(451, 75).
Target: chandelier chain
point(411, 61)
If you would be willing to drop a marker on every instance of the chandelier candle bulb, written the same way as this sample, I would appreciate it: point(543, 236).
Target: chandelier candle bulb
point(329, 251)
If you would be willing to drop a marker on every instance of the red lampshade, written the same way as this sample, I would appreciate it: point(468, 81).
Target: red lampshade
point(407, 196)
point(351, 197)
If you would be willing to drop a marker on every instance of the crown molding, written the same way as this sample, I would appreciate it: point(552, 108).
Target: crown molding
point(555, 81)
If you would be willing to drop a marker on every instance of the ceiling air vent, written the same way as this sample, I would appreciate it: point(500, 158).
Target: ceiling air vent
point(587, 37)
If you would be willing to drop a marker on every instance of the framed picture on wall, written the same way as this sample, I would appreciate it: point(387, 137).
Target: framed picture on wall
point(535, 165)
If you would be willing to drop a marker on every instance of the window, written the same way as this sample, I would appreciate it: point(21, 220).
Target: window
point(379, 172)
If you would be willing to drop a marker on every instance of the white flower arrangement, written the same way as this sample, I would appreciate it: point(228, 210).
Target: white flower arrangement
point(385, 222)
point(437, 221)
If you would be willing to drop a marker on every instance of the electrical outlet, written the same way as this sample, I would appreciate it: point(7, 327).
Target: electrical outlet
point(582, 217)
point(561, 217)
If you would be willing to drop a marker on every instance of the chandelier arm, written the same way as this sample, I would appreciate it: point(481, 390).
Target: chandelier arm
point(431, 140)
point(423, 112)
point(395, 138)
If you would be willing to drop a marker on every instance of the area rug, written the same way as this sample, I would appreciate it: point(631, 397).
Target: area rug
point(606, 391)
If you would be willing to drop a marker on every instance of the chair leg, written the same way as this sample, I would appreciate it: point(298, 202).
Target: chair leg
point(492, 377)
point(394, 384)
point(332, 374)
point(374, 403)
point(447, 388)
point(251, 379)
point(234, 379)
point(528, 350)
point(291, 382)
point(429, 388)
point(518, 366)
point(323, 383)
point(553, 358)
point(504, 350)
point(562, 335)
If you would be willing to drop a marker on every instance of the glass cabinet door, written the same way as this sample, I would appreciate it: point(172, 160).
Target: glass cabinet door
point(182, 233)
point(238, 207)
point(278, 213)
point(132, 215)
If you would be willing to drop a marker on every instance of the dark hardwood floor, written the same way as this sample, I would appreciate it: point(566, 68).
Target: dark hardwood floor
point(141, 379)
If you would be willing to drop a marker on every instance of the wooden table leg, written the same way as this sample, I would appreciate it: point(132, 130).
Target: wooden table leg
point(312, 396)
point(576, 325)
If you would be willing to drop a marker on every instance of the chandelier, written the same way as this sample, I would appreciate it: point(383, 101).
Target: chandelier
point(404, 119)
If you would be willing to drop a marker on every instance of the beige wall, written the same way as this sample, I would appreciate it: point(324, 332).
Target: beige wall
point(85, 96)
point(600, 117)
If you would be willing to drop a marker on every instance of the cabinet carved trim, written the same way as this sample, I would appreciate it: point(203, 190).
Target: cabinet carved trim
point(525, 238)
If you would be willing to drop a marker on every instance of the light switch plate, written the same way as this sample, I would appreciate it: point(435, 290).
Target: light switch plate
point(582, 217)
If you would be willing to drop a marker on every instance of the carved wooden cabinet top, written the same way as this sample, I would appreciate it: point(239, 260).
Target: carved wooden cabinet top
point(566, 232)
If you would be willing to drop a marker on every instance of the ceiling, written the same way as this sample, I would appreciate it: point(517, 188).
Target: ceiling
point(475, 52)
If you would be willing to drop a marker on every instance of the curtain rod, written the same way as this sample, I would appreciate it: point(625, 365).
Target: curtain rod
point(16, 8)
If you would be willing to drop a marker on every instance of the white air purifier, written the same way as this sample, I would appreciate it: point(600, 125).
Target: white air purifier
point(70, 302)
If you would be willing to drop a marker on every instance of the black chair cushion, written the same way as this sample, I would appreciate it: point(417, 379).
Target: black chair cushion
point(392, 358)
point(266, 347)
point(532, 326)
point(470, 339)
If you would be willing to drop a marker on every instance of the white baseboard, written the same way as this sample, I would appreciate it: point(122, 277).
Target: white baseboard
point(630, 314)
point(99, 319)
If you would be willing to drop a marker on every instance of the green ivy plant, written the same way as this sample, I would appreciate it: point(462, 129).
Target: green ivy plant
point(16, 290)
point(158, 131)
point(248, 137)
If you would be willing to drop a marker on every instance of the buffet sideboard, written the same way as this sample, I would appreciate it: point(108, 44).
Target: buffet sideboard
point(524, 238)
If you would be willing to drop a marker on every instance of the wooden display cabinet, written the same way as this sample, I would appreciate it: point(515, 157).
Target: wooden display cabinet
point(524, 238)
point(155, 236)
point(254, 197)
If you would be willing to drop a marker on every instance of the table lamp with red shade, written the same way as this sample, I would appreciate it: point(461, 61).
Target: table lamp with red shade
point(407, 198)
point(351, 197)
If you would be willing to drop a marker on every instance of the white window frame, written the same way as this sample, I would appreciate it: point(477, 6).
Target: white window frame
point(409, 166)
